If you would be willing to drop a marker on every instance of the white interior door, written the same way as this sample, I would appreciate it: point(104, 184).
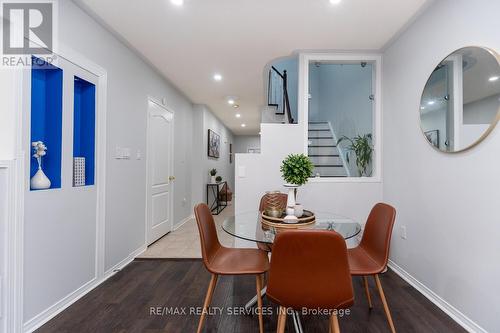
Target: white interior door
point(160, 187)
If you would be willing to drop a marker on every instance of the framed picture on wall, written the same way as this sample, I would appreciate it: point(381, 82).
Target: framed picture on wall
point(433, 137)
point(213, 144)
point(230, 153)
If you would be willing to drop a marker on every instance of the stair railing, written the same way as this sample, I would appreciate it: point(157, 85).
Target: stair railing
point(277, 93)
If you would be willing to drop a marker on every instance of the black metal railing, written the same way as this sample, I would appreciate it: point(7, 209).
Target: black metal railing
point(277, 93)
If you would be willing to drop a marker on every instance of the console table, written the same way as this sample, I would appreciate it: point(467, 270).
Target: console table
point(217, 205)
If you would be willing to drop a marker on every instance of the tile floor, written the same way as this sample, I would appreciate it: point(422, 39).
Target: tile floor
point(185, 241)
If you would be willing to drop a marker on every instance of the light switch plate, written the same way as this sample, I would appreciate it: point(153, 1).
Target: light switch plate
point(242, 171)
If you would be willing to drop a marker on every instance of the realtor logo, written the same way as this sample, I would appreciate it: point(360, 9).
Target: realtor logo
point(27, 27)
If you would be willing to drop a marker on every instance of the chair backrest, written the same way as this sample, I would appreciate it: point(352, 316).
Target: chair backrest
point(309, 268)
point(208, 234)
point(378, 231)
point(282, 197)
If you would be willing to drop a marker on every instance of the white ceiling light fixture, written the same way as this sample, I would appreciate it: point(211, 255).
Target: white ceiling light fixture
point(237, 115)
point(236, 106)
point(335, 2)
point(431, 102)
point(494, 78)
point(230, 101)
point(217, 76)
point(243, 125)
point(177, 2)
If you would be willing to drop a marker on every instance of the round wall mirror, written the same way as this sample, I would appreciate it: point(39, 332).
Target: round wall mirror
point(461, 100)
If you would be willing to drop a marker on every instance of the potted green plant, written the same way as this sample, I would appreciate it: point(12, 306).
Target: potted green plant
point(361, 146)
point(212, 173)
point(295, 170)
point(218, 179)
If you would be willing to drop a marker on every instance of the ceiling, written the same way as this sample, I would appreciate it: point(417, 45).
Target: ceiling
point(237, 38)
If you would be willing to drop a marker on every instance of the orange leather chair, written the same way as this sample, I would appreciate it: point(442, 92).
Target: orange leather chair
point(372, 254)
point(283, 197)
point(221, 260)
point(309, 269)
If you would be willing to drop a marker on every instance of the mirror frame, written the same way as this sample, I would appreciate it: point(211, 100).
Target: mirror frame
point(493, 124)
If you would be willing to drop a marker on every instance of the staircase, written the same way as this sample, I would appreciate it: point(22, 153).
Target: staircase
point(323, 151)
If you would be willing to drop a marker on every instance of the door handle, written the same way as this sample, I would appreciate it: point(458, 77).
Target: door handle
point(171, 178)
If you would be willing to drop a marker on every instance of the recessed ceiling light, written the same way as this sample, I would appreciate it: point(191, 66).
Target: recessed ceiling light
point(431, 102)
point(494, 78)
point(230, 101)
point(243, 125)
point(237, 115)
point(422, 108)
point(260, 133)
point(236, 106)
point(217, 76)
point(335, 2)
point(177, 2)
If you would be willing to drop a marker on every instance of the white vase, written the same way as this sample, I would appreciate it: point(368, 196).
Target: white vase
point(290, 202)
point(299, 210)
point(40, 181)
point(212, 179)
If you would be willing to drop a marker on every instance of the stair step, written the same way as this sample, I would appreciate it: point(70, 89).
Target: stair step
point(319, 130)
point(330, 172)
point(322, 146)
point(318, 122)
point(329, 166)
point(320, 137)
point(323, 155)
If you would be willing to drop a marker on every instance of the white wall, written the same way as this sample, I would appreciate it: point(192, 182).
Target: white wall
point(130, 82)
point(204, 120)
point(449, 203)
point(262, 173)
point(483, 111)
point(243, 142)
point(7, 114)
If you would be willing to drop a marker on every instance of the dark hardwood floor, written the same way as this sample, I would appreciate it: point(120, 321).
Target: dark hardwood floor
point(126, 302)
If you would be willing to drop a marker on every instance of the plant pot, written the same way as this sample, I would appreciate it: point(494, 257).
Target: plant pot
point(212, 179)
point(290, 203)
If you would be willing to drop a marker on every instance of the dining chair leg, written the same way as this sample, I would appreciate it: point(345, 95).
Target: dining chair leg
point(208, 299)
point(258, 280)
point(281, 319)
point(367, 290)
point(334, 323)
point(384, 301)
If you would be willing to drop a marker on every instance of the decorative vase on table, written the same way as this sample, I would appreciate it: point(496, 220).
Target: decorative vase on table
point(274, 204)
point(299, 210)
point(212, 179)
point(290, 203)
point(39, 181)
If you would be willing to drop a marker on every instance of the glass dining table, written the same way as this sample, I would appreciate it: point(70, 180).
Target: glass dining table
point(248, 226)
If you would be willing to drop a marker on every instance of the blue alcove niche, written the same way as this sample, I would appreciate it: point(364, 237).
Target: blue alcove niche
point(46, 117)
point(84, 126)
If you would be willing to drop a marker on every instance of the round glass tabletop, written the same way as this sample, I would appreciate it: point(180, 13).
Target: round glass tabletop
point(248, 226)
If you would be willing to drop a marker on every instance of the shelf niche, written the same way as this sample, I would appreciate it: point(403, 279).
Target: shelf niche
point(83, 132)
point(46, 118)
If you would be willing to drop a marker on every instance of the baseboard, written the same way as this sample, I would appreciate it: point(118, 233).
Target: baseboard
point(52, 311)
point(181, 223)
point(49, 313)
point(110, 272)
point(464, 321)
